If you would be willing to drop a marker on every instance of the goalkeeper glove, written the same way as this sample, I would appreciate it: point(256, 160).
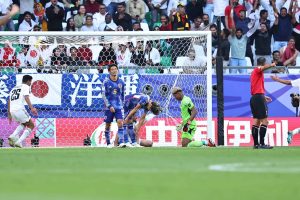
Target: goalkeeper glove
point(186, 126)
point(179, 127)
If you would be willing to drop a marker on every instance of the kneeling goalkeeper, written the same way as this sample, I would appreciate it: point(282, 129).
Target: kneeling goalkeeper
point(188, 126)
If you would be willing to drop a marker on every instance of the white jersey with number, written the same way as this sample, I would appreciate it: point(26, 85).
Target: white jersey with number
point(17, 97)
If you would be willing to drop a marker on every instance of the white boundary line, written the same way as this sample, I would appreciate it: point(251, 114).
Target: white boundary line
point(265, 167)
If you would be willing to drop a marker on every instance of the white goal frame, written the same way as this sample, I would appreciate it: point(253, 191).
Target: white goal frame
point(145, 34)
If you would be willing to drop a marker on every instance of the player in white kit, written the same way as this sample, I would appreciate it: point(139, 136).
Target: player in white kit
point(17, 111)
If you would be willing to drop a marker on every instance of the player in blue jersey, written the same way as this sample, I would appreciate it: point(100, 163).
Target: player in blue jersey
point(133, 103)
point(114, 89)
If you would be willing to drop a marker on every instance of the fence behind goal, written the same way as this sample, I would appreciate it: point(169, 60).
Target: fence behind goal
point(68, 70)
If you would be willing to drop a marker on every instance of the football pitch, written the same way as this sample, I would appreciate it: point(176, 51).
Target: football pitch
point(150, 173)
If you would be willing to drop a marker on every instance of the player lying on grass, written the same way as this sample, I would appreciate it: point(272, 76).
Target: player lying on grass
point(17, 111)
point(188, 126)
point(113, 97)
point(133, 103)
point(294, 83)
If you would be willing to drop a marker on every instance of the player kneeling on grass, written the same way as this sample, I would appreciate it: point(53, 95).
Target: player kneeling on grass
point(188, 125)
point(114, 89)
point(17, 111)
point(132, 104)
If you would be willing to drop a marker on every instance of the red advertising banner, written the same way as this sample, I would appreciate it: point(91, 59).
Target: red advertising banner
point(162, 131)
point(64, 132)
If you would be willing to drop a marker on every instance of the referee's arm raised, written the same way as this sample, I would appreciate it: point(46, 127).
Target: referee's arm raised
point(267, 66)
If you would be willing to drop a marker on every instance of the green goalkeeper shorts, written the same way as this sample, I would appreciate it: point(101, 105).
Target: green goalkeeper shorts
point(190, 133)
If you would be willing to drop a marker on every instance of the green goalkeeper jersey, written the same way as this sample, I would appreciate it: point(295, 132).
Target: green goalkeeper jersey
point(186, 110)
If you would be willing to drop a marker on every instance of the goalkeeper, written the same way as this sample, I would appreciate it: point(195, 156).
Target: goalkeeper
point(188, 125)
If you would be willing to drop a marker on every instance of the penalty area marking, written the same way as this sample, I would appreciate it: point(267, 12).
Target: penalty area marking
point(271, 167)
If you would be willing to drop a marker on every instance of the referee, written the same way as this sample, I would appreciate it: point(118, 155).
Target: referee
point(258, 104)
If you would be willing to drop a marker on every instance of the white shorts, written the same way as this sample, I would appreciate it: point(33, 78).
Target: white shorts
point(20, 116)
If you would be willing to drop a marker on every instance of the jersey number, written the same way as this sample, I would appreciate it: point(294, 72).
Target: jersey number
point(15, 94)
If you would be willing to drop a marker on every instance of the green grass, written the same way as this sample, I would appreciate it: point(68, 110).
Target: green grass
point(149, 173)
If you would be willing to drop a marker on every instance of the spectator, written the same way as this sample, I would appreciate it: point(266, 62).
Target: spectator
point(152, 55)
point(219, 10)
point(58, 61)
point(121, 18)
point(224, 46)
point(138, 54)
point(194, 9)
point(6, 54)
point(165, 23)
point(238, 43)
point(5, 7)
point(296, 25)
point(123, 55)
point(39, 13)
point(262, 39)
point(205, 25)
point(48, 4)
point(25, 6)
point(55, 16)
point(99, 17)
point(196, 26)
point(80, 17)
point(74, 9)
point(173, 4)
point(44, 54)
point(283, 28)
point(27, 24)
point(108, 25)
point(209, 9)
point(63, 49)
point(22, 56)
point(107, 55)
point(264, 19)
point(71, 25)
point(214, 37)
point(157, 7)
point(85, 54)
point(74, 61)
point(136, 8)
point(276, 59)
point(91, 6)
point(241, 21)
point(136, 26)
point(234, 4)
point(112, 7)
point(194, 64)
point(88, 24)
point(289, 53)
point(180, 20)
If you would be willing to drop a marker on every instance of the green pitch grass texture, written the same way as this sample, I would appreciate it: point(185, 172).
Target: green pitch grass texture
point(149, 173)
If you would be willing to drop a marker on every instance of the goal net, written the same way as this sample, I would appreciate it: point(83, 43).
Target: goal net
point(69, 68)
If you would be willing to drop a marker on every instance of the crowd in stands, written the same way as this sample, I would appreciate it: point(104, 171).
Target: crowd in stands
point(248, 29)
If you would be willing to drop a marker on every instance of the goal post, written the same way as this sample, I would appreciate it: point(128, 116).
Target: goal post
point(68, 70)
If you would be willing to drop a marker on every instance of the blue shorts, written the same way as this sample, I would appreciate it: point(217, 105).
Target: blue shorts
point(109, 116)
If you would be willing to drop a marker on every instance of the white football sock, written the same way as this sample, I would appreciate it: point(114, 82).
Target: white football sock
point(24, 135)
point(295, 131)
point(15, 134)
